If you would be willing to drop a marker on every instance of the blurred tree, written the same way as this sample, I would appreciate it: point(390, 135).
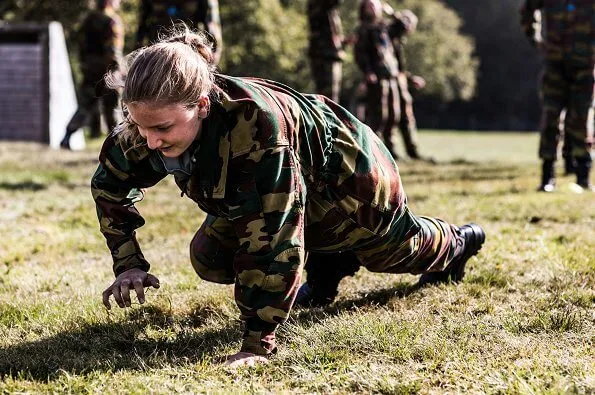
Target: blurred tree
point(508, 76)
point(264, 39)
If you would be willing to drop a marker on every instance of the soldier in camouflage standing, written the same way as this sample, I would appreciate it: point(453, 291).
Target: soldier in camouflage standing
point(279, 174)
point(155, 15)
point(101, 40)
point(376, 58)
point(326, 46)
point(407, 124)
point(569, 45)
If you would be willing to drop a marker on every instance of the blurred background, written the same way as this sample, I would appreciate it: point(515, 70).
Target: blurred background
point(481, 72)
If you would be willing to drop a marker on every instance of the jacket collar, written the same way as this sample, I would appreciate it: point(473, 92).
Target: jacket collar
point(214, 148)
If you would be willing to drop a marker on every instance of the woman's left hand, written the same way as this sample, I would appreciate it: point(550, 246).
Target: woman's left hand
point(243, 358)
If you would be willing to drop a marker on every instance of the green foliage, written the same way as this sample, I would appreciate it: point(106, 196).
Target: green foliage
point(263, 39)
point(508, 77)
point(439, 52)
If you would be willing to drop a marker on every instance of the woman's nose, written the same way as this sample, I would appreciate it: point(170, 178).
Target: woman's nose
point(153, 141)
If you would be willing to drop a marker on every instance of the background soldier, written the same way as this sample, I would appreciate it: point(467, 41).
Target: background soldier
point(101, 40)
point(326, 47)
point(569, 44)
point(375, 56)
point(407, 124)
point(197, 14)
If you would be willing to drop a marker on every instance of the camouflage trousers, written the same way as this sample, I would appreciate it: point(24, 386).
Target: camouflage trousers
point(94, 99)
point(327, 75)
point(407, 123)
point(567, 87)
point(383, 110)
point(413, 245)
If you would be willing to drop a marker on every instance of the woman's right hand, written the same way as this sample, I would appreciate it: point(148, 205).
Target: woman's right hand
point(136, 279)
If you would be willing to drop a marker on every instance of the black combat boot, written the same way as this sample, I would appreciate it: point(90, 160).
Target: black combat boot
point(583, 170)
point(548, 177)
point(325, 272)
point(474, 237)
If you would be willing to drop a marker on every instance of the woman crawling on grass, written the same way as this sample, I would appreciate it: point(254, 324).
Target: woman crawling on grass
point(282, 176)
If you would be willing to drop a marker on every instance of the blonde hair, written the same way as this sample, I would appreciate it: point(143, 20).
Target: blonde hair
point(178, 69)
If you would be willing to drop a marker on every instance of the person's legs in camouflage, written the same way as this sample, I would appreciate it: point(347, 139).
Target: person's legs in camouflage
point(407, 124)
point(212, 249)
point(580, 124)
point(88, 105)
point(569, 160)
point(383, 111)
point(435, 249)
point(109, 102)
point(555, 93)
point(212, 252)
point(429, 246)
point(327, 74)
point(95, 123)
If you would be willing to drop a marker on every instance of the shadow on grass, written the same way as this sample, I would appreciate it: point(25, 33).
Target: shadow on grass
point(22, 186)
point(108, 347)
point(114, 346)
point(506, 173)
point(305, 315)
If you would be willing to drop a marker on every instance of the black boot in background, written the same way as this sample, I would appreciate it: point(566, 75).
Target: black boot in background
point(548, 177)
point(583, 170)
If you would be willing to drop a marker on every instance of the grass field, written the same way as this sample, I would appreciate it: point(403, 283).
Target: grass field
point(523, 321)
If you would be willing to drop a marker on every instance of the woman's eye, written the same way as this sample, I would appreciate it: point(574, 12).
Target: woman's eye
point(163, 128)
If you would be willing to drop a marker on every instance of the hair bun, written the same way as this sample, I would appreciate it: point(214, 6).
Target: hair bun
point(200, 42)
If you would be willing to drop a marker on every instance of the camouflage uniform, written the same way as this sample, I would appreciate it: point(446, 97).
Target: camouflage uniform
point(326, 46)
point(569, 44)
point(279, 173)
point(196, 14)
point(375, 53)
point(101, 41)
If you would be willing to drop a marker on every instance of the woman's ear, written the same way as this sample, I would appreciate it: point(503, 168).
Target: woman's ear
point(204, 105)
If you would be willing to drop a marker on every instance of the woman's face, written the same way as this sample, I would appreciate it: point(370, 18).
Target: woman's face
point(171, 128)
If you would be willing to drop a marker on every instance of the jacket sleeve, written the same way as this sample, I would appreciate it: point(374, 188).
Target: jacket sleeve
point(531, 21)
point(267, 214)
point(116, 187)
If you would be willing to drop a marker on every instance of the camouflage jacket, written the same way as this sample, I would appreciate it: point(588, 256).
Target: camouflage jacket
point(289, 171)
point(326, 34)
point(197, 14)
point(101, 42)
point(569, 28)
point(375, 50)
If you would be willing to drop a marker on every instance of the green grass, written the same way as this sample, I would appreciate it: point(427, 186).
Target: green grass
point(523, 321)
